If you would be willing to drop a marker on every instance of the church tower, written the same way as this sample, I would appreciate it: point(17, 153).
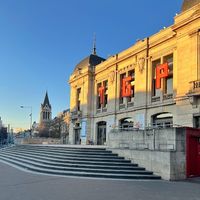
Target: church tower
point(45, 111)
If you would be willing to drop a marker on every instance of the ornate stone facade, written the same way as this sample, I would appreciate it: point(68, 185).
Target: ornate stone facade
point(155, 82)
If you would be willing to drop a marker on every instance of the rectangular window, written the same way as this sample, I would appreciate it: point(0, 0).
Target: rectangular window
point(196, 122)
point(104, 92)
point(105, 84)
point(121, 99)
point(78, 99)
point(98, 96)
point(132, 74)
point(155, 92)
point(168, 81)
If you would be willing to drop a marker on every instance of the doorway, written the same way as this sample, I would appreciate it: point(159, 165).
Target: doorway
point(101, 133)
point(198, 156)
point(77, 134)
point(193, 153)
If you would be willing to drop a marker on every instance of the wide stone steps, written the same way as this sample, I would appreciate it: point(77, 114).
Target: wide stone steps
point(83, 169)
point(75, 160)
point(75, 165)
point(67, 162)
point(72, 157)
point(77, 150)
point(57, 162)
point(70, 153)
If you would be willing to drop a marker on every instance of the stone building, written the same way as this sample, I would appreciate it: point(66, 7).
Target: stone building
point(59, 127)
point(1, 124)
point(155, 82)
point(45, 117)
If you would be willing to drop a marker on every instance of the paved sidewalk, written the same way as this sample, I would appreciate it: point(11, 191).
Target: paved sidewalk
point(19, 185)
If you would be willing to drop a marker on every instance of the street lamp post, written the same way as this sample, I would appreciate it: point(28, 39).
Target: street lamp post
point(29, 107)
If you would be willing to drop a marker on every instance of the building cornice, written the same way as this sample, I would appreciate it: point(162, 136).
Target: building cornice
point(187, 20)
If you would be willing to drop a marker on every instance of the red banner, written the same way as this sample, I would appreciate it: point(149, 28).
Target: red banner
point(126, 86)
point(161, 72)
point(101, 94)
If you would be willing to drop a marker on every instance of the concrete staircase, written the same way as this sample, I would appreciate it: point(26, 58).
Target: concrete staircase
point(74, 161)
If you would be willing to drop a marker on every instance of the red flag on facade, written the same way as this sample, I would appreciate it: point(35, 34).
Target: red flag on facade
point(101, 94)
point(161, 72)
point(126, 86)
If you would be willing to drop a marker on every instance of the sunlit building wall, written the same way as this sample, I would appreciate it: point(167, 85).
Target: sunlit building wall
point(155, 82)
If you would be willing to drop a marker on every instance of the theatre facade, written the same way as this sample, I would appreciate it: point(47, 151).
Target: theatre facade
point(154, 83)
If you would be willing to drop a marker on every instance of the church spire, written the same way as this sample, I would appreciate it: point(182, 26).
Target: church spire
point(94, 45)
point(46, 100)
point(45, 112)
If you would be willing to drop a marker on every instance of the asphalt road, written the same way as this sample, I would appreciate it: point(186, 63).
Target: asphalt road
point(20, 185)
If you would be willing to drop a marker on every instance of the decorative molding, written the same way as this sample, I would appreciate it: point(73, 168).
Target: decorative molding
point(141, 64)
point(112, 76)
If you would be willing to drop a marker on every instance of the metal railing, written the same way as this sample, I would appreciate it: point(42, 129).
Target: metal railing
point(149, 127)
point(153, 138)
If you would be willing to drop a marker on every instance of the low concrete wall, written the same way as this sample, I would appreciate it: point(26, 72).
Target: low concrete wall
point(168, 165)
point(161, 151)
point(37, 141)
point(160, 139)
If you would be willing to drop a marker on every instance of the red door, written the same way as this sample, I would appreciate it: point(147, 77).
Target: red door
point(198, 156)
point(192, 157)
point(193, 153)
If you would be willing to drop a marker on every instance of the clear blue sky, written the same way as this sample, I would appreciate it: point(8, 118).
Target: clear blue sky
point(42, 40)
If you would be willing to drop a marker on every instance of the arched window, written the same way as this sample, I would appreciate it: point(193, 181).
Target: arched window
point(126, 123)
point(163, 120)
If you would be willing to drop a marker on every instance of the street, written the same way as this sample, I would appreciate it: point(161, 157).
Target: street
point(16, 184)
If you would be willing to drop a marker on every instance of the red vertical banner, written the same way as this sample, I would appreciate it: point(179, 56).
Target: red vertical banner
point(161, 72)
point(101, 94)
point(126, 86)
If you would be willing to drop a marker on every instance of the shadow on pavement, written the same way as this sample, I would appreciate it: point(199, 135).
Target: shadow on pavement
point(194, 180)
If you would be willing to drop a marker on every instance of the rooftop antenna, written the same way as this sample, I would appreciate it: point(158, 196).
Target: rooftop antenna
point(94, 45)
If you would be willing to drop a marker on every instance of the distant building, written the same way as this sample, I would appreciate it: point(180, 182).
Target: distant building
point(45, 111)
point(1, 124)
point(35, 129)
point(59, 127)
point(3, 135)
point(65, 126)
point(45, 117)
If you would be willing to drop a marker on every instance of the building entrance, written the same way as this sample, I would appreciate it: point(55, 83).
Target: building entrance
point(77, 134)
point(193, 153)
point(198, 157)
point(101, 133)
